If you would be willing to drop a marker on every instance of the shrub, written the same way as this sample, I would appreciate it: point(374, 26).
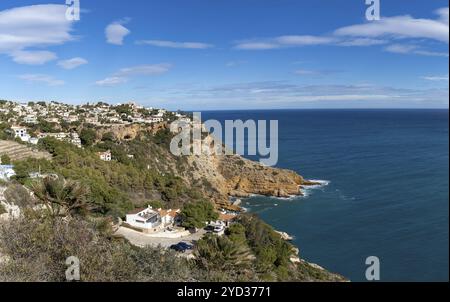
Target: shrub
point(5, 159)
point(197, 214)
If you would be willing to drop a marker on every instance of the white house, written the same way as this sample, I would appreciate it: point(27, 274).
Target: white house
point(20, 132)
point(6, 172)
point(105, 156)
point(146, 219)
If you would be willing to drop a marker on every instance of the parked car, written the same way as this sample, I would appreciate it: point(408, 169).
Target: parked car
point(219, 229)
point(186, 245)
point(181, 247)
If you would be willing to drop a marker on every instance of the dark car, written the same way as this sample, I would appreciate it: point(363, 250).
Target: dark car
point(186, 245)
point(181, 247)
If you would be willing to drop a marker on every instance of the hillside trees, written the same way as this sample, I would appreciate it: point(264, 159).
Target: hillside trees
point(197, 214)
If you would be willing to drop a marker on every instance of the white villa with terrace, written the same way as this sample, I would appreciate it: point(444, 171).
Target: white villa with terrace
point(150, 220)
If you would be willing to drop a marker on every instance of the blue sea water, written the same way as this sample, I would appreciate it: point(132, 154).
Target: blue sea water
point(388, 191)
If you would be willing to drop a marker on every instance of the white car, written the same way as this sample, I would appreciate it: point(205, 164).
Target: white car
point(219, 229)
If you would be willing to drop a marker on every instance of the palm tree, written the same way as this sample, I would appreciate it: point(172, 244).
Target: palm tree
point(61, 198)
point(224, 254)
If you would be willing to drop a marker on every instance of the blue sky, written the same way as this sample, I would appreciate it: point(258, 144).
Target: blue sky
point(233, 54)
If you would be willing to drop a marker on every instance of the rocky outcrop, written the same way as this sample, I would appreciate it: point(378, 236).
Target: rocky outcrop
point(245, 177)
point(129, 132)
point(239, 177)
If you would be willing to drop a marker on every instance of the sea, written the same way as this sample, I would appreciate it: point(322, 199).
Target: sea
point(384, 189)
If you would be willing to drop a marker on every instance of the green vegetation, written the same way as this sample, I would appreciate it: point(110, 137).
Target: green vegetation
point(88, 137)
point(4, 135)
point(198, 214)
point(5, 159)
point(61, 198)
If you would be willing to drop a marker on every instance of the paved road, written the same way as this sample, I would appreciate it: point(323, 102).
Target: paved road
point(142, 240)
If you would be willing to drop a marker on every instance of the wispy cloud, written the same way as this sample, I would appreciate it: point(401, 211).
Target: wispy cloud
point(283, 42)
point(413, 49)
point(307, 72)
point(436, 78)
point(235, 63)
point(42, 78)
point(387, 30)
point(33, 57)
point(72, 63)
point(123, 75)
point(173, 44)
point(116, 32)
point(256, 45)
point(144, 70)
point(402, 27)
point(282, 94)
point(28, 27)
point(362, 42)
point(111, 81)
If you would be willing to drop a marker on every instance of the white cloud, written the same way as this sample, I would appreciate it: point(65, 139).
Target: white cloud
point(412, 49)
point(400, 48)
point(35, 26)
point(33, 57)
point(116, 33)
point(304, 72)
point(256, 45)
point(42, 78)
point(304, 40)
point(111, 81)
point(431, 53)
point(362, 42)
point(172, 44)
point(436, 78)
point(380, 32)
point(443, 14)
point(72, 63)
point(235, 63)
point(124, 74)
point(402, 27)
point(144, 70)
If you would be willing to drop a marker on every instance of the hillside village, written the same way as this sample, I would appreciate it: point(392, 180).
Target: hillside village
point(59, 120)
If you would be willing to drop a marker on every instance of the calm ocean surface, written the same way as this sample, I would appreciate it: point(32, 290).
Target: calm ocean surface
point(388, 191)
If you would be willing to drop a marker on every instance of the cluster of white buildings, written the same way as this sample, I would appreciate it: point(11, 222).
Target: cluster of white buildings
point(98, 114)
point(22, 133)
point(101, 114)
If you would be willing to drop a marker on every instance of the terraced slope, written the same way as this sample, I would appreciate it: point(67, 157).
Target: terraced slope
point(17, 151)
